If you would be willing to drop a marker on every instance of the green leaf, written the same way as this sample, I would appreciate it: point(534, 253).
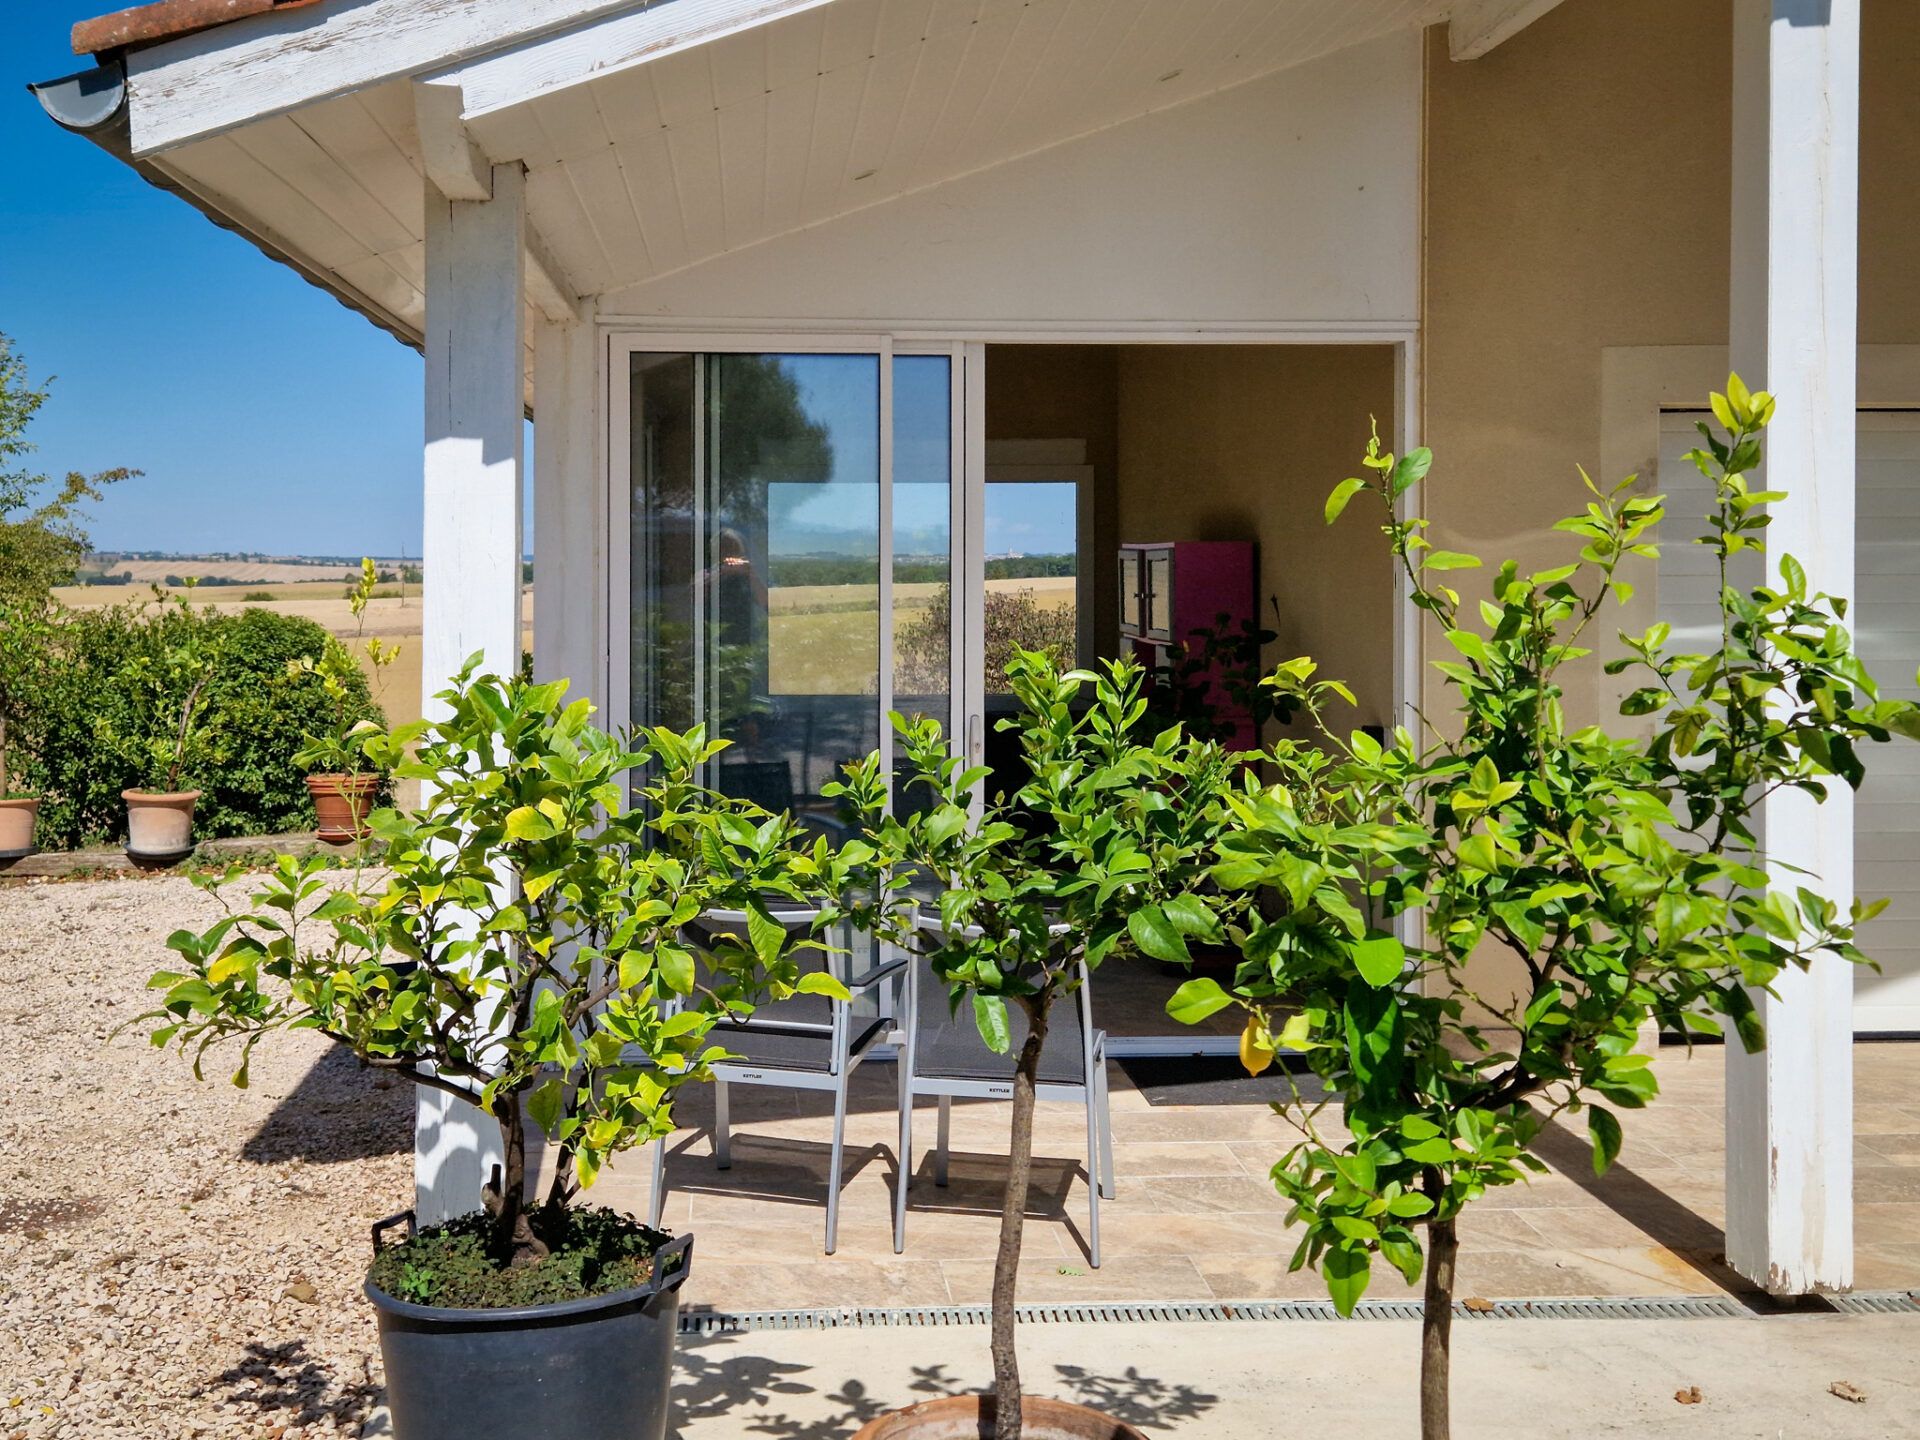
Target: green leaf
point(675, 964)
point(1410, 470)
point(1196, 1000)
point(1346, 1268)
point(1157, 936)
point(1380, 959)
point(1409, 1205)
point(1191, 916)
point(1604, 1130)
point(819, 982)
point(527, 823)
point(1342, 493)
point(1449, 560)
point(545, 1103)
point(990, 1017)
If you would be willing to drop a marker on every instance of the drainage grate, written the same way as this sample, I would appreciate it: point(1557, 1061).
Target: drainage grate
point(1595, 1307)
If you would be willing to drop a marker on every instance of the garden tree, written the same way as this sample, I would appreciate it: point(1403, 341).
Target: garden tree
point(1013, 620)
point(41, 542)
point(521, 947)
point(1098, 852)
point(1618, 870)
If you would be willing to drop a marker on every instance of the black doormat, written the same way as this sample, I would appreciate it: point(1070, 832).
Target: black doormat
point(1213, 1080)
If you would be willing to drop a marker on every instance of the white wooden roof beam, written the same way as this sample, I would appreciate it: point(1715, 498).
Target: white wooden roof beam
point(1476, 26)
point(603, 44)
point(214, 80)
point(460, 169)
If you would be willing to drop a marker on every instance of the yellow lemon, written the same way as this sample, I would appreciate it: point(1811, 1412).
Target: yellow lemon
point(1256, 1046)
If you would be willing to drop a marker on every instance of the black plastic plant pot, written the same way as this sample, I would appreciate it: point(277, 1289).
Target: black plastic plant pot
point(594, 1369)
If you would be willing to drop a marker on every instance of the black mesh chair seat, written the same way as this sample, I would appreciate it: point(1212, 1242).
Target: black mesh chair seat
point(948, 1043)
point(786, 1047)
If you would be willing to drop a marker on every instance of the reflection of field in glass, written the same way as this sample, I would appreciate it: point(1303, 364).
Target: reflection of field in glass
point(825, 638)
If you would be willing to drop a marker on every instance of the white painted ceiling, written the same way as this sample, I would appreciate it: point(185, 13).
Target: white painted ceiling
point(756, 134)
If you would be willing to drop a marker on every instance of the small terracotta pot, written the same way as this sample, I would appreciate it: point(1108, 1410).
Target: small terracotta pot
point(343, 803)
point(16, 825)
point(159, 824)
point(970, 1417)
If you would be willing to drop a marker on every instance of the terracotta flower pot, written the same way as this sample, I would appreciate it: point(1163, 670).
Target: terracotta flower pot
point(970, 1417)
point(343, 803)
point(16, 825)
point(159, 824)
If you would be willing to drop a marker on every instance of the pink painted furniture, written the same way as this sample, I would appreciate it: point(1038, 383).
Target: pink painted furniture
point(1170, 589)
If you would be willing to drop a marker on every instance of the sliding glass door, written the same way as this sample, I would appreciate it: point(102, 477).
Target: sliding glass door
point(790, 523)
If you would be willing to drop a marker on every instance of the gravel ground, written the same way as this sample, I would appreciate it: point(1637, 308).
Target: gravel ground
point(177, 1258)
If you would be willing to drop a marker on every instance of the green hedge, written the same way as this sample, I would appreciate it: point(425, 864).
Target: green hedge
point(255, 713)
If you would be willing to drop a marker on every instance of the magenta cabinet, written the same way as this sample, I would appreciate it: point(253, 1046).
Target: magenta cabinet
point(1171, 589)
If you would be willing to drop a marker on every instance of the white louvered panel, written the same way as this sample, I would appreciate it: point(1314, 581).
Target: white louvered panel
point(573, 121)
point(743, 170)
point(1886, 621)
point(739, 67)
point(221, 168)
point(684, 83)
point(629, 104)
point(297, 158)
point(926, 97)
point(565, 227)
point(348, 131)
point(945, 153)
point(891, 79)
point(852, 28)
point(634, 203)
point(1025, 51)
point(694, 150)
point(789, 142)
point(836, 113)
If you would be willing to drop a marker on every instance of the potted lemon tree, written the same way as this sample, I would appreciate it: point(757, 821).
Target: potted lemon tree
point(521, 948)
point(1618, 869)
point(29, 630)
point(1102, 850)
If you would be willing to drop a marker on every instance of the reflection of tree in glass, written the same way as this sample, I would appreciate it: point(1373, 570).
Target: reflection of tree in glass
point(763, 434)
point(1015, 620)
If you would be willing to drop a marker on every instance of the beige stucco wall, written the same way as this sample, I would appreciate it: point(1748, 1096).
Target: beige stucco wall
point(1577, 198)
point(1231, 442)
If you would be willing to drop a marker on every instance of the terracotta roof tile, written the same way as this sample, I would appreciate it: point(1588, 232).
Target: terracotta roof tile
point(164, 19)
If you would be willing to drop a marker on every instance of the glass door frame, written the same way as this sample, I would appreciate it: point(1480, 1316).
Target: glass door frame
point(967, 411)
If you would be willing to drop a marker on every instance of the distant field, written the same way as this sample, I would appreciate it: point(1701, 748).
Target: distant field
point(265, 571)
point(824, 636)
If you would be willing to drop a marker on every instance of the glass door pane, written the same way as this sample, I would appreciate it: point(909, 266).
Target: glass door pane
point(1032, 573)
point(923, 570)
point(756, 555)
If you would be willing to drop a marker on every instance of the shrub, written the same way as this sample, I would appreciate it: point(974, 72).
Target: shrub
point(84, 726)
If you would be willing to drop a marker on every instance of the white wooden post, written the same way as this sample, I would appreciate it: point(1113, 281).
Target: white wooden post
point(475, 352)
point(1795, 223)
point(570, 582)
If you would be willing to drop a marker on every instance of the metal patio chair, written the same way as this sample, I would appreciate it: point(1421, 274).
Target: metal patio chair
point(806, 1042)
point(941, 1054)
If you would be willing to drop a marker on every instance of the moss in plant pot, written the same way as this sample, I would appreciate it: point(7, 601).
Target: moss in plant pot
point(591, 1251)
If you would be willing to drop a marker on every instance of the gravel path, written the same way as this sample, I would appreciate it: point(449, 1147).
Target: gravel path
point(177, 1258)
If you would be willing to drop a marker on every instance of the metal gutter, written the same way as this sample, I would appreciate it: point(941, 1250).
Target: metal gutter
point(93, 103)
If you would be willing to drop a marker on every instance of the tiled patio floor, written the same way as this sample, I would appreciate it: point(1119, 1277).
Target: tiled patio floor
point(1195, 1217)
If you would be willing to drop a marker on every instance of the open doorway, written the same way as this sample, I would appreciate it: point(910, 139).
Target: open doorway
point(1134, 493)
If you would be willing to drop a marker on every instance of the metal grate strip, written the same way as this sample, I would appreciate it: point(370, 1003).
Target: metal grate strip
point(1585, 1307)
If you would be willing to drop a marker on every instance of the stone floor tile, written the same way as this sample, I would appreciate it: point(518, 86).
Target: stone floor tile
point(748, 1285)
point(1132, 1277)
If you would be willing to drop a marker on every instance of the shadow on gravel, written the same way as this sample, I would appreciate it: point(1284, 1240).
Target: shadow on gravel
point(285, 1385)
point(339, 1111)
point(711, 1385)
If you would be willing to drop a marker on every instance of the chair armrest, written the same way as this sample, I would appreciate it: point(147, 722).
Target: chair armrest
point(873, 975)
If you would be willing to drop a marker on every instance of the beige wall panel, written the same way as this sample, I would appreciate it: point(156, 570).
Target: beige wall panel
point(1577, 197)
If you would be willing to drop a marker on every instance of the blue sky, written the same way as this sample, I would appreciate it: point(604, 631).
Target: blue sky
point(263, 413)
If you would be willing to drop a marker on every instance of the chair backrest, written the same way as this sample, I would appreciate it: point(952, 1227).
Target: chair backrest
point(947, 1043)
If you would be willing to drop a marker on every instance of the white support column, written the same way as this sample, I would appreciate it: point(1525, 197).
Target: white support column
point(1795, 223)
point(569, 511)
point(475, 352)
